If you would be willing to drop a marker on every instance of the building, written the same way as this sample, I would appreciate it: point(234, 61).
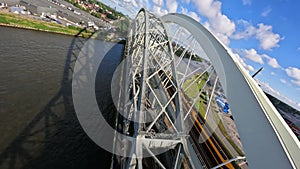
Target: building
point(17, 10)
point(3, 5)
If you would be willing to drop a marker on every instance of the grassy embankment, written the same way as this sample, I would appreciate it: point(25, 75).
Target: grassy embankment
point(26, 22)
point(191, 88)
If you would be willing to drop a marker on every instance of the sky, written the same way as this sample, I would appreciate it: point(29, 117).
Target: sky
point(259, 33)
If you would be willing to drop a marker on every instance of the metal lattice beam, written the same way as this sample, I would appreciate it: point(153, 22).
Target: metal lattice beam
point(153, 100)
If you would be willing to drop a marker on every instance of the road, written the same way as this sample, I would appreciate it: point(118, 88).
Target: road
point(63, 11)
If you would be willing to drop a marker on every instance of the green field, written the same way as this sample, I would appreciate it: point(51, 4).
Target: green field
point(21, 21)
point(192, 87)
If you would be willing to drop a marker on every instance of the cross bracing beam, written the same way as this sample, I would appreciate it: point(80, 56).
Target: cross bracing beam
point(152, 109)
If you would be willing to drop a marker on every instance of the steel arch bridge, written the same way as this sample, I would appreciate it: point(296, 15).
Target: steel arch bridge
point(173, 71)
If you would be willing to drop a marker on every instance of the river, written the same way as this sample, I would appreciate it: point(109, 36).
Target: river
point(38, 124)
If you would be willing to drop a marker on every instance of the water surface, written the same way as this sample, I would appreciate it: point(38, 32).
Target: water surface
point(38, 124)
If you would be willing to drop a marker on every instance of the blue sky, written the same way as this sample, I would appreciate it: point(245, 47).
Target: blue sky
point(260, 34)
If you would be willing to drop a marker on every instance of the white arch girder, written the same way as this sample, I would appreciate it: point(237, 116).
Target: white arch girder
point(267, 140)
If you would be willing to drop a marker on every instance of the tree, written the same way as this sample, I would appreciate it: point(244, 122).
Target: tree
point(110, 16)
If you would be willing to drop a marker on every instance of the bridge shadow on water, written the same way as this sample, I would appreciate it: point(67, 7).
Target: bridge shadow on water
point(54, 137)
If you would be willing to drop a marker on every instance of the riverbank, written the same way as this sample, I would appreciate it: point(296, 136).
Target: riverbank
point(27, 22)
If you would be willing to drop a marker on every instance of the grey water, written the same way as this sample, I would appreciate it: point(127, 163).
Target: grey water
point(38, 125)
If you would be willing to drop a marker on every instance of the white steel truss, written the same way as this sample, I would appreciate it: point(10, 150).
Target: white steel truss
point(152, 98)
point(159, 102)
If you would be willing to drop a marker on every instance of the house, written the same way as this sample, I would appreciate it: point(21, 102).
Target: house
point(17, 10)
point(3, 5)
point(10, 2)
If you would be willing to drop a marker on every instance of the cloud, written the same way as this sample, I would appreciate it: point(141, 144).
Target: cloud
point(134, 3)
point(209, 8)
point(132, 6)
point(296, 82)
point(272, 61)
point(267, 88)
point(294, 73)
point(254, 56)
point(172, 6)
point(247, 30)
point(242, 62)
point(266, 11)
point(158, 10)
point(157, 7)
point(246, 2)
point(273, 73)
point(263, 33)
point(158, 2)
point(260, 58)
point(283, 81)
point(266, 37)
point(217, 22)
point(193, 15)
